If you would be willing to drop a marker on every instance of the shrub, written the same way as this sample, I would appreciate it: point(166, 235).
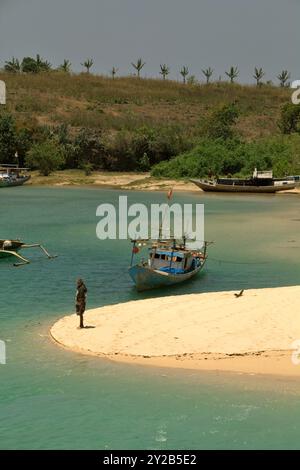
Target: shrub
point(218, 157)
point(220, 124)
point(47, 157)
point(119, 153)
point(87, 168)
point(87, 148)
point(144, 163)
point(208, 157)
point(290, 118)
point(8, 138)
point(158, 143)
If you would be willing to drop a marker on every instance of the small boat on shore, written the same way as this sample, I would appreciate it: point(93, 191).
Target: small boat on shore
point(260, 182)
point(12, 175)
point(11, 248)
point(169, 262)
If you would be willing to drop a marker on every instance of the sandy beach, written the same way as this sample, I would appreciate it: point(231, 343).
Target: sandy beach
point(211, 331)
point(110, 180)
point(121, 181)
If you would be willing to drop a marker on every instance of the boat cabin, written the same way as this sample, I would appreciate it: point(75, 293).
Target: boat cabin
point(171, 261)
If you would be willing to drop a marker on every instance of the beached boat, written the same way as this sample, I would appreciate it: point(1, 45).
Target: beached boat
point(169, 262)
point(12, 175)
point(260, 182)
point(296, 178)
point(11, 248)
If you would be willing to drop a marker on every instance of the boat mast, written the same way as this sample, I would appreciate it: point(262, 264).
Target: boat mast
point(133, 252)
point(173, 249)
point(169, 197)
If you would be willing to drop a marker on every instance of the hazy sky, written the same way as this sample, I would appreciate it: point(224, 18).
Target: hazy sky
point(196, 33)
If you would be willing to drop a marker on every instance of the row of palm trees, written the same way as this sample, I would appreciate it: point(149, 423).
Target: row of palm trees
point(232, 73)
point(38, 64)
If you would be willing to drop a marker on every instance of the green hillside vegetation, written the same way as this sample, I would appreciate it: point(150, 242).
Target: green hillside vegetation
point(135, 124)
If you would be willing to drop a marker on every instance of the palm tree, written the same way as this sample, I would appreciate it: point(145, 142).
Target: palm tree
point(88, 64)
point(164, 70)
point(42, 65)
point(283, 77)
point(208, 73)
point(258, 75)
point(184, 72)
point(65, 66)
point(13, 65)
point(233, 73)
point(114, 72)
point(138, 66)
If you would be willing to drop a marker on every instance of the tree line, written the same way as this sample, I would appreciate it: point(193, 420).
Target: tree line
point(48, 148)
point(38, 65)
point(169, 151)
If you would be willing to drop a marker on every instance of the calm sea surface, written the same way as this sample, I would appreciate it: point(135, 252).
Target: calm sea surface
point(52, 398)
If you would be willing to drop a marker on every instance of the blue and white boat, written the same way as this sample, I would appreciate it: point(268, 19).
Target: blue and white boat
point(169, 262)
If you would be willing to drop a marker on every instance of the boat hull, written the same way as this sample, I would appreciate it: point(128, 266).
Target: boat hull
point(16, 245)
point(216, 187)
point(146, 278)
point(18, 182)
point(5, 255)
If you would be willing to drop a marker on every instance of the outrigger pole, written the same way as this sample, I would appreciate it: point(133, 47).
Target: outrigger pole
point(34, 245)
point(25, 260)
point(14, 253)
point(37, 245)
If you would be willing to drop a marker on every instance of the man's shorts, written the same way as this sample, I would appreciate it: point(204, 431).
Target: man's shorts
point(80, 308)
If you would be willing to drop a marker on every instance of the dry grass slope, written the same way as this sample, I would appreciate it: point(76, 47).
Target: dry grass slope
point(126, 103)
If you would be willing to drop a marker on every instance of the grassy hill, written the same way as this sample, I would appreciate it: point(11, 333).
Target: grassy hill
point(131, 124)
point(126, 103)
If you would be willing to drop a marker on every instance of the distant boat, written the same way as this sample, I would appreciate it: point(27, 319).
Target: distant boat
point(260, 182)
point(169, 262)
point(12, 175)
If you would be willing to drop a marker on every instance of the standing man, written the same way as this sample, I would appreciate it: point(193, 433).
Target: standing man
point(81, 300)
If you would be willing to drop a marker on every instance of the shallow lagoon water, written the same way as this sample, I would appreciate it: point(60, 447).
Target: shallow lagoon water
point(52, 398)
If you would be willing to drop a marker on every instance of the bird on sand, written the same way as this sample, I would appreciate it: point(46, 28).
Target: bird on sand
point(239, 294)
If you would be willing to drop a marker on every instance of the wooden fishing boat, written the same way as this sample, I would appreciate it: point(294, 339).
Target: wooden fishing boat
point(12, 175)
point(169, 262)
point(261, 182)
point(11, 248)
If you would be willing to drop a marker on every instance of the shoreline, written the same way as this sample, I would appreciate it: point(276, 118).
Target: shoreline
point(118, 181)
point(253, 334)
point(110, 180)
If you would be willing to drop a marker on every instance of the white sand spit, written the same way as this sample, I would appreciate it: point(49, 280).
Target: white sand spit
point(217, 325)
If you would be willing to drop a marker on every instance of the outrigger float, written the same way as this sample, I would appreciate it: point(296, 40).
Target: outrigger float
point(169, 262)
point(11, 248)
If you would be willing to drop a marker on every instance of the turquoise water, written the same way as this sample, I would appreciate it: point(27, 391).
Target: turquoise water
point(52, 398)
